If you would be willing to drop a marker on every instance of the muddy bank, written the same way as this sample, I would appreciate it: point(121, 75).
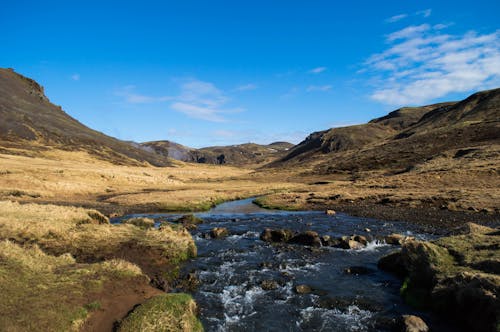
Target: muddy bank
point(431, 218)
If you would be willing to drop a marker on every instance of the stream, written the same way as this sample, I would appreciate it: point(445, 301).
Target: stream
point(247, 284)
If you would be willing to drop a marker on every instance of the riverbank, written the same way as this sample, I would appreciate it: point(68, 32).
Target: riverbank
point(67, 268)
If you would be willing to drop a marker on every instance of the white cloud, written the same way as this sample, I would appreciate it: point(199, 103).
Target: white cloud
point(132, 97)
point(422, 64)
point(323, 88)
point(410, 31)
point(396, 18)
point(197, 99)
point(198, 112)
point(246, 87)
point(75, 77)
point(424, 13)
point(317, 70)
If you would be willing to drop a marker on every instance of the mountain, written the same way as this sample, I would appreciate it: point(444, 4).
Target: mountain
point(403, 138)
point(31, 122)
point(242, 154)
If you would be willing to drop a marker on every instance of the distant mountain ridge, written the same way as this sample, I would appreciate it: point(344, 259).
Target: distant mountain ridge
point(241, 154)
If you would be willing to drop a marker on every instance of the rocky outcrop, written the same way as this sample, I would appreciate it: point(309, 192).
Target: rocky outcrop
point(454, 276)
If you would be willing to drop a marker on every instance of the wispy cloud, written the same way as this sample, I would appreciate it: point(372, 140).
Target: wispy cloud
point(317, 70)
point(408, 32)
point(131, 97)
point(424, 13)
point(246, 87)
point(197, 99)
point(203, 100)
point(422, 63)
point(323, 88)
point(75, 77)
point(396, 18)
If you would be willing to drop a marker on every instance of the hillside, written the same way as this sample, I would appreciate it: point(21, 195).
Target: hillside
point(404, 138)
point(242, 154)
point(31, 123)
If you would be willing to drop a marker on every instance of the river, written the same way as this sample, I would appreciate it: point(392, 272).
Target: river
point(250, 285)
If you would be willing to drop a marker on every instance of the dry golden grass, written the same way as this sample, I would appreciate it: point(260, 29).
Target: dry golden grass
point(78, 178)
point(457, 184)
point(41, 292)
point(60, 230)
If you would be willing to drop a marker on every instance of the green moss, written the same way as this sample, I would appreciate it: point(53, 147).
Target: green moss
point(167, 312)
point(93, 306)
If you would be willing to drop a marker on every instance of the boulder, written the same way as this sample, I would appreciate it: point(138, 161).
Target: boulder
point(397, 239)
point(268, 285)
point(472, 297)
point(218, 232)
point(308, 238)
point(423, 261)
point(276, 235)
point(361, 239)
point(411, 323)
point(394, 264)
point(346, 242)
point(303, 289)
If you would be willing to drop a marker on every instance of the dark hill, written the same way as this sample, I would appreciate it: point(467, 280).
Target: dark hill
point(31, 122)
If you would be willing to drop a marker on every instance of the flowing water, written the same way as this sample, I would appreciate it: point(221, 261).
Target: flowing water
point(232, 271)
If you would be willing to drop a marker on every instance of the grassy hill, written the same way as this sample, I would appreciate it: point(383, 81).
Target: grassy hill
point(31, 123)
point(404, 138)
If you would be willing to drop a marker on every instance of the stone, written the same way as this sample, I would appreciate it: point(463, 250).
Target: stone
point(394, 264)
point(397, 239)
point(219, 232)
point(276, 235)
point(345, 242)
point(411, 323)
point(268, 285)
point(308, 238)
point(361, 239)
point(303, 289)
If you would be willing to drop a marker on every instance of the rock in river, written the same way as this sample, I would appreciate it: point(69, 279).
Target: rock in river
point(410, 323)
point(219, 232)
point(303, 289)
point(276, 235)
point(308, 238)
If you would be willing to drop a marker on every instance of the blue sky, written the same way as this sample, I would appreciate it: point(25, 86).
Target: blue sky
point(207, 73)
